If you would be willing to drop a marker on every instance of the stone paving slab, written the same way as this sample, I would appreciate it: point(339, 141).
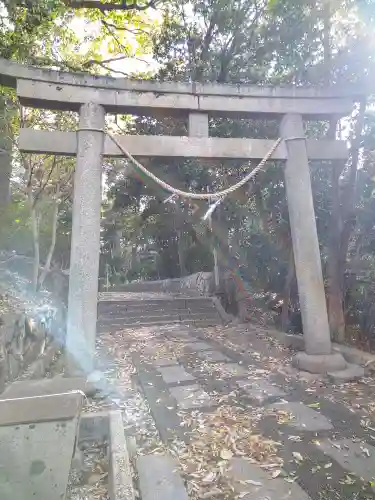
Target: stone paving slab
point(198, 346)
point(191, 396)
point(162, 405)
point(167, 361)
point(181, 337)
point(212, 356)
point(326, 483)
point(181, 333)
point(229, 370)
point(253, 483)
point(261, 390)
point(159, 478)
point(175, 374)
point(305, 418)
point(356, 457)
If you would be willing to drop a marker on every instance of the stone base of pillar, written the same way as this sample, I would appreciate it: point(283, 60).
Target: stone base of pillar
point(319, 363)
point(72, 368)
point(80, 367)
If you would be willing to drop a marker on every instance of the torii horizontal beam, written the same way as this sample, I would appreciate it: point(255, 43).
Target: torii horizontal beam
point(65, 143)
point(157, 103)
point(11, 72)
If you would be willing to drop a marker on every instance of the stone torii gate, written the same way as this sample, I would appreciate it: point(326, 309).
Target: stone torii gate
point(93, 97)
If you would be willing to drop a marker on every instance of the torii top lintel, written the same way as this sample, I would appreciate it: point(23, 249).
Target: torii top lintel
point(52, 89)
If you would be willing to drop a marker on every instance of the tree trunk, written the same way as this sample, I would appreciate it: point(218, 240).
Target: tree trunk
point(134, 256)
point(47, 265)
point(334, 268)
point(220, 246)
point(181, 253)
point(341, 227)
point(5, 173)
point(35, 234)
point(335, 265)
point(6, 140)
point(348, 195)
point(116, 247)
point(290, 277)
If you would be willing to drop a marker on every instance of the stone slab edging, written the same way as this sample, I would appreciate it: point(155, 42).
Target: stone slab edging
point(351, 354)
point(354, 355)
point(120, 480)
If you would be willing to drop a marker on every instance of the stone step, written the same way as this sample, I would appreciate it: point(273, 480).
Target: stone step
point(117, 311)
point(150, 320)
point(139, 304)
point(159, 478)
point(131, 317)
point(152, 306)
point(123, 309)
point(110, 328)
point(139, 319)
point(182, 315)
point(136, 298)
point(143, 286)
point(114, 328)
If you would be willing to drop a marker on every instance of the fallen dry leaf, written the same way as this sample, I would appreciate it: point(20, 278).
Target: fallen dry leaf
point(294, 438)
point(297, 456)
point(226, 454)
point(290, 479)
point(209, 478)
point(254, 483)
point(365, 451)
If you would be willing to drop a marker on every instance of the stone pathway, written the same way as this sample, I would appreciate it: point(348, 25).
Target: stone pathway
point(216, 417)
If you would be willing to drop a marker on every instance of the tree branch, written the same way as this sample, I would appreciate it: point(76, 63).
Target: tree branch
point(112, 33)
point(103, 64)
point(205, 48)
point(105, 61)
point(47, 265)
point(134, 31)
point(105, 7)
point(43, 186)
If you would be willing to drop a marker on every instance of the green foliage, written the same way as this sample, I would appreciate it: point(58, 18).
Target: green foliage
point(234, 41)
point(243, 41)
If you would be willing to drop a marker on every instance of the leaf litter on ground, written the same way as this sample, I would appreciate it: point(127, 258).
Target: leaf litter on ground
point(216, 438)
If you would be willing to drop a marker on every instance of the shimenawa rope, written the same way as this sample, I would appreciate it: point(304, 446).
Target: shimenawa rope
point(219, 195)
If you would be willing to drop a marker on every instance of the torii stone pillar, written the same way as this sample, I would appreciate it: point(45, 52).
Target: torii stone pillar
point(85, 244)
point(318, 356)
